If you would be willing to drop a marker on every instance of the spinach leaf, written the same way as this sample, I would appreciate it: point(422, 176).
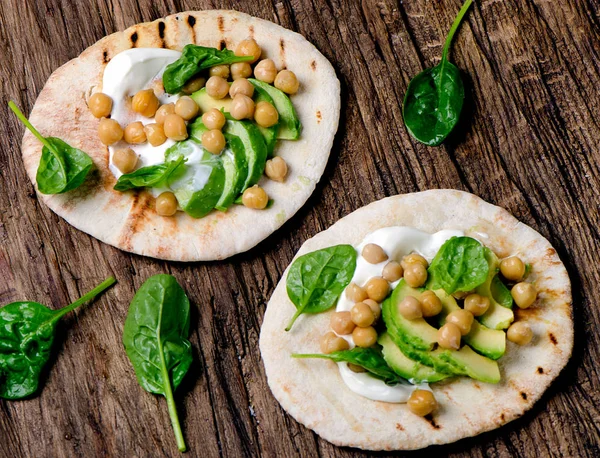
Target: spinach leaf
point(193, 60)
point(460, 265)
point(370, 359)
point(27, 331)
point(435, 97)
point(500, 292)
point(148, 177)
point(62, 168)
point(155, 339)
point(315, 280)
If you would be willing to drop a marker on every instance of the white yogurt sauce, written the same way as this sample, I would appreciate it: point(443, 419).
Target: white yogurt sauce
point(397, 242)
point(127, 73)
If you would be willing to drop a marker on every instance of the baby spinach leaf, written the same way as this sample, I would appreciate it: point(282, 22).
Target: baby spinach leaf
point(193, 60)
point(149, 176)
point(62, 168)
point(370, 359)
point(27, 331)
point(155, 339)
point(435, 97)
point(460, 265)
point(316, 279)
point(500, 292)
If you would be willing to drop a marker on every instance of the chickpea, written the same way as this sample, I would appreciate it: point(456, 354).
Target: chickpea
point(276, 169)
point(414, 258)
point(193, 85)
point(187, 108)
point(125, 160)
point(155, 134)
point(109, 131)
point(330, 343)
point(355, 293)
point(219, 70)
point(431, 304)
point(421, 402)
point(375, 307)
point(410, 308)
point(519, 333)
point(175, 128)
point(392, 271)
point(463, 319)
point(255, 197)
point(356, 368)
point(240, 70)
point(341, 323)
point(415, 275)
point(266, 114)
point(217, 87)
point(512, 268)
point(100, 105)
point(377, 289)
point(249, 47)
point(524, 294)
point(166, 204)
point(476, 304)
point(241, 86)
point(134, 133)
point(448, 336)
point(287, 82)
point(145, 103)
point(373, 253)
point(163, 112)
point(242, 107)
point(364, 337)
point(265, 71)
point(362, 315)
point(213, 141)
point(214, 119)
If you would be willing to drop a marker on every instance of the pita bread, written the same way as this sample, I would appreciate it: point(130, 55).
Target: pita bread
point(128, 220)
point(312, 390)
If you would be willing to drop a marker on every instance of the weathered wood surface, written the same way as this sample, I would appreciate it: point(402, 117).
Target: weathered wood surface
point(529, 142)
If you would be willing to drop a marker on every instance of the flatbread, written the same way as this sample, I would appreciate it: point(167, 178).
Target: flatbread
point(312, 390)
point(128, 220)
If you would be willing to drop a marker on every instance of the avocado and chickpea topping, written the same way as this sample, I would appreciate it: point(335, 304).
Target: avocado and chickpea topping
point(236, 98)
point(433, 318)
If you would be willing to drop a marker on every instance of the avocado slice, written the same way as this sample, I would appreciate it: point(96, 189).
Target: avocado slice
point(198, 186)
point(486, 341)
point(254, 147)
point(404, 366)
point(234, 165)
point(416, 339)
point(289, 124)
point(269, 133)
point(206, 102)
point(497, 316)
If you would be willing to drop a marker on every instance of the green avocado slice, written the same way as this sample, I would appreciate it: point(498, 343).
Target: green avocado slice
point(289, 123)
point(497, 316)
point(406, 367)
point(254, 147)
point(206, 102)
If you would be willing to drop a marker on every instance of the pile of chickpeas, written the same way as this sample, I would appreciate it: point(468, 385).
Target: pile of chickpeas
point(170, 119)
point(360, 320)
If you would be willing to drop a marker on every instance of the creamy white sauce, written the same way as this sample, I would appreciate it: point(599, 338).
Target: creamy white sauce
point(397, 242)
point(127, 73)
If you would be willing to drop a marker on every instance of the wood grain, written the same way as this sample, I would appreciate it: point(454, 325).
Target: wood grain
point(528, 142)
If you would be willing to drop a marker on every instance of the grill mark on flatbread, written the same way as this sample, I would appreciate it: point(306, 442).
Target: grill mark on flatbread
point(319, 117)
point(432, 422)
point(133, 38)
point(540, 370)
point(222, 45)
point(161, 33)
point(523, 395)
point(502, 417)
point(138, 216)
point(553, 338)
point(313, 65)
point(221, 24)
point(399, 427)
point(282, 51)
point(105, 58)
point(191, 21)
point(251, 31)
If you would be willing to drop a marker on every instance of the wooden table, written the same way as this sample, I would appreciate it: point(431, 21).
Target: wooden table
point(528, 141)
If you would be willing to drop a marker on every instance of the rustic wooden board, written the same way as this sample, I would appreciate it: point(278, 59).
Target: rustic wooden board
point(529, 143)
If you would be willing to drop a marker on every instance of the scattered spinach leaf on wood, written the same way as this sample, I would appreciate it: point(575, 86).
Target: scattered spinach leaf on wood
point(316, 279)
point(62, 168)
point(149, 176)
point(371, 359)
point(27, 331)
point(193, 60)
point(155, 339)
point(434, 98)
